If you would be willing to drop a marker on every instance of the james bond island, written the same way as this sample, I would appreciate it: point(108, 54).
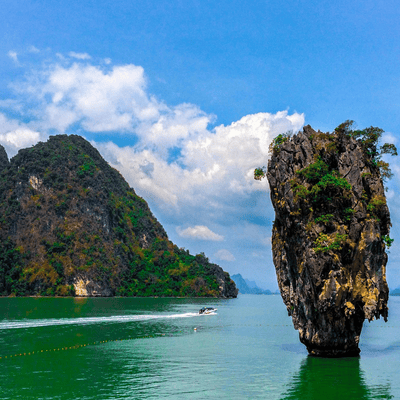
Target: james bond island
point(70, 225)
point(330, 233)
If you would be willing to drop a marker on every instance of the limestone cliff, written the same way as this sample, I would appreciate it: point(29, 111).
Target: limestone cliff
point(71, 225)
point(330, 232)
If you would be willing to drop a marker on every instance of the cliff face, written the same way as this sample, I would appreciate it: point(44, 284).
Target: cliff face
point(71, 225)
point(329, 234)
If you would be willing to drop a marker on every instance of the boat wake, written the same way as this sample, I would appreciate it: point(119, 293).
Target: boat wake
point(37, 323)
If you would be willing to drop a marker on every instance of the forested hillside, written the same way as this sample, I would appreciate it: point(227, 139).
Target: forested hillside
point(71, 225)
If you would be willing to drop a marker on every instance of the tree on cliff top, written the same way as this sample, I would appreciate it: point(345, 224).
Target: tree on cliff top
point(368, 137)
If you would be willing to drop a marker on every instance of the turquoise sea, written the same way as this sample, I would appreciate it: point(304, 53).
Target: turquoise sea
point(118, 348)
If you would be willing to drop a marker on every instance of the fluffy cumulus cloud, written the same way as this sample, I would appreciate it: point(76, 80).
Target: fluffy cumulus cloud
point(19, 138)
point(199, 232)
point(13, 55)
point(79, 56)
point(33, 49)
point(224, 255)
point(213, 174)
point(107, 98)
point(113, 100)
point(15, 135)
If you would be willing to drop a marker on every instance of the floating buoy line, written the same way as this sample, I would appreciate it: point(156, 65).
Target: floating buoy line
point(79, 346)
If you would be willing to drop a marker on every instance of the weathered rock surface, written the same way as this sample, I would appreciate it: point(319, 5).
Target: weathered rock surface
point(328, 240)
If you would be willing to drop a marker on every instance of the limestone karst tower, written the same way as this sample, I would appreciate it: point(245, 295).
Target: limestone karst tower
point(330, 233)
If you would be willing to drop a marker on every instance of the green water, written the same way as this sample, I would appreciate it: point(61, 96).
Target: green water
point(150, 349)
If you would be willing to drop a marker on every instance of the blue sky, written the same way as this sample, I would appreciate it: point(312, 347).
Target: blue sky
point(183, 98)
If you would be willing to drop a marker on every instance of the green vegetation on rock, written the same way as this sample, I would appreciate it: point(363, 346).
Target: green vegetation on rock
point(369, 139)
point(320, 190)
point(325, 243)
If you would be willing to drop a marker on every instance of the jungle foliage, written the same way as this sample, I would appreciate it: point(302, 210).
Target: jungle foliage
point(369, 138)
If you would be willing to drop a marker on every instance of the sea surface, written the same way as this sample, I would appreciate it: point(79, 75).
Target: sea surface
point(118, 348)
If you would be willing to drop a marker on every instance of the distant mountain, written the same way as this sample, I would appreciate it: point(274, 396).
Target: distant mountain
point(251, 284)
point(394, 292)
point(247, 287)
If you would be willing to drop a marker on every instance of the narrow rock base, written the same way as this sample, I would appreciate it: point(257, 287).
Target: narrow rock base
point(334, 353)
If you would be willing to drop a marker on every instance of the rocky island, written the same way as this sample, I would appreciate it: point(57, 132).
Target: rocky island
point(330, 233)
point(247, 287)
point(70, 225)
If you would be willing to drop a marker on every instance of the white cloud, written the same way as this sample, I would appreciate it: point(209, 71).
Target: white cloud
point(214, 172)
point(10, 104)
point(173, 125)
point(17, 139)
point(113, 100)
point(108, 99)
point(388, 137)
point(79, 56)
point(233, 151)
point(256, 254)
point(116, 99)
point(13, 55)
point(7, 124)
point(224, 255)
point(266, 241)
point(390, 194)
point(132, 164)
point(15, 135)
point(33, 49)
point(199, 232)
point(20, 138)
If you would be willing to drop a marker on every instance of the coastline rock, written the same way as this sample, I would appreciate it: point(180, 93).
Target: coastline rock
point(329, 234)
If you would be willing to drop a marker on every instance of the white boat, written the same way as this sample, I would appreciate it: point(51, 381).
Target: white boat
point(207, 310)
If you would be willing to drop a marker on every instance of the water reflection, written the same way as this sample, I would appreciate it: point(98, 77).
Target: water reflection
point(334, 379)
